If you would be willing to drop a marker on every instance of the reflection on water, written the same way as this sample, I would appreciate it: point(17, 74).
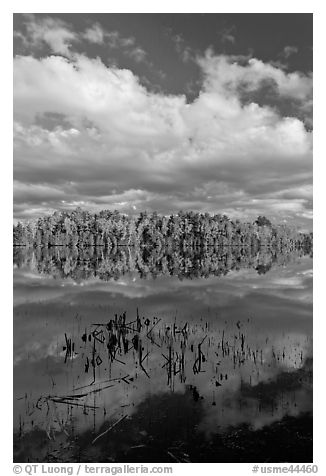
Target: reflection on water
point(135, 369)
point(191, 263)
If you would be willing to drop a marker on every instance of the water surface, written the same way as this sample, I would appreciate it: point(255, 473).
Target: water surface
point(177, 356)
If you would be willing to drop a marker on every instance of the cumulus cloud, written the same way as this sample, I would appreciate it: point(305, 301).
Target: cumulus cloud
point(95, 34)
point(60, 37)
point(121, 146)
point(227, 73)
point(53, 32)
point(249, 78)
point(99, 35)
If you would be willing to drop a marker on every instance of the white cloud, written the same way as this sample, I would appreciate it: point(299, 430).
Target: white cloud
point(94, 34)
point(127, 146)
point(52, 31)
point(59, 36)
point(227, 74)
point(97, 34)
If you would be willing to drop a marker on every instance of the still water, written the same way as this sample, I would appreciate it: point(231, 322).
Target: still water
point(162, 356)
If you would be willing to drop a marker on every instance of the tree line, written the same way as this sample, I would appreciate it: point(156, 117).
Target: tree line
point(80, 228)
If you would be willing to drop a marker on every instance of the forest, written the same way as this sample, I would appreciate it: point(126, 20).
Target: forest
point(81, 228)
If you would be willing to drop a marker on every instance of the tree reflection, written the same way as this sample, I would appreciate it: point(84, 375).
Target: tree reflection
point(98, 262)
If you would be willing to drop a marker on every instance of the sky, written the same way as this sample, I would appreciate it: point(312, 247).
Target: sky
point(165, 112)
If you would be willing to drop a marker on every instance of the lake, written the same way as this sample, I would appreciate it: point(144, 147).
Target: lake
point(162, 355)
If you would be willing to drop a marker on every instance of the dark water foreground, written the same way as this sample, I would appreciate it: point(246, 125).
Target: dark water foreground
point(162, 357)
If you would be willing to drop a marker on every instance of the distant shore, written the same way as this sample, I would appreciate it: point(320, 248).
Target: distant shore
point(80, 228)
